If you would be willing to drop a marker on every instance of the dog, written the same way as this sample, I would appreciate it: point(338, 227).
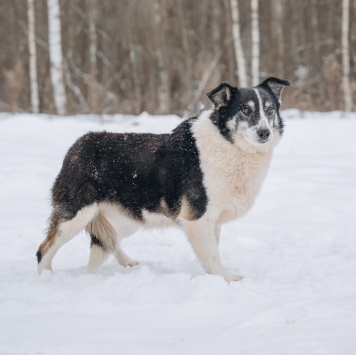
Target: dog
point(208, 171)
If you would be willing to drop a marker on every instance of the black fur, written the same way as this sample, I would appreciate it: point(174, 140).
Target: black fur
point(39, 256)
point(134, 170)
point(275, 87)
point(95, 241)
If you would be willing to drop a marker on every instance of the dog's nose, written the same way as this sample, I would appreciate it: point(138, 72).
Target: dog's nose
point(263, 133)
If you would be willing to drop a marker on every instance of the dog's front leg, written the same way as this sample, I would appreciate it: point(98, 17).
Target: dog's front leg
point(217, 233)
point(202, 236)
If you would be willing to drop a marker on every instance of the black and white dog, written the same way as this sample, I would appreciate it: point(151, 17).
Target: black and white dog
point(206, 172)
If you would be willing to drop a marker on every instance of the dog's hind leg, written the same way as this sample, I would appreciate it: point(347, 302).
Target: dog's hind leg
point(107, 230)
point(103, 241)
point(124, 226)
point(61, 231)
point(98, 253)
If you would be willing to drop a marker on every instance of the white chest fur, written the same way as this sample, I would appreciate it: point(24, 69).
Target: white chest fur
point(232, 176)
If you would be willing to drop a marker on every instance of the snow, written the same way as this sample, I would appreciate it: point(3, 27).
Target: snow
point(297, 249)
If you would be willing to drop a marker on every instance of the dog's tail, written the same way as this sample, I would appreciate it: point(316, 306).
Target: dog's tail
point(103, 241)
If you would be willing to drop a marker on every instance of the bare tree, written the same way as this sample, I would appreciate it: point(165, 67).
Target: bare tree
point(56, 56)
point(192, 108)
point(33, 56)
point(136, 78)
point(236, 33)
point(185, 46)
point(277, 31)
point(93, 48)
point(160, 56)
point(255, 35)
point(346, 55)
point(14, 78)
point(163, 87)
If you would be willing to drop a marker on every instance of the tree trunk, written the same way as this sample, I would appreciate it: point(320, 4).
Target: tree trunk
point(93, 48)
point(255, 36)
point(216, 36)
point(346, 55)
point(239, 54)
point(56, 56)
point(33, 56)
point(278, 38)
point(163, 77)
point(134, 54)
point(188, 66)
point(192, 108)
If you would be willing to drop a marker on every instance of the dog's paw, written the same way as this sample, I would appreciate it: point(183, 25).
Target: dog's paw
point(232, 278)
point(129, 263)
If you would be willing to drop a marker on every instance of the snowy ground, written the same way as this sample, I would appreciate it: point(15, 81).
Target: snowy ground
point(297, 249)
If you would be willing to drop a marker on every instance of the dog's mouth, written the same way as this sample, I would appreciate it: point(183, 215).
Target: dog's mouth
point(263, 141)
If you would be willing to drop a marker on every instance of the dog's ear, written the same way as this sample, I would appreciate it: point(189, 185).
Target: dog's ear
point(221, 95)
point(276, 85)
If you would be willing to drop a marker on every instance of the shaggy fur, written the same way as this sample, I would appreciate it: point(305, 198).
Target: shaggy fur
point(206, 172)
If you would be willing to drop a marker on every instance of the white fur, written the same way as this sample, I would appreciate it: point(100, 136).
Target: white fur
point(232, 176)
point(125, 225)
point(156, 220)
point(97, 257)
point(244, 132)
point(72, 227)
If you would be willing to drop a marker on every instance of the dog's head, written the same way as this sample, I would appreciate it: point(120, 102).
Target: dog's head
point(249, 116)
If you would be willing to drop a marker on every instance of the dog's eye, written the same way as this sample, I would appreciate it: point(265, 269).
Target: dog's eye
point(270, 111)
point(246, 111)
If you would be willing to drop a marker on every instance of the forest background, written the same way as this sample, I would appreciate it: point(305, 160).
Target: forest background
point(162, 56)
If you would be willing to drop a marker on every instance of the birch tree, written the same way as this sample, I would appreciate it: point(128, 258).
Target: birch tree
point(33, 56)
point(93, 48)
point(277, 31)
point(185, 46)
point(236, 34)
point(131, 56)
point(255, 36)
point(346, 55)
point(163, 86)
point(56, 56)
